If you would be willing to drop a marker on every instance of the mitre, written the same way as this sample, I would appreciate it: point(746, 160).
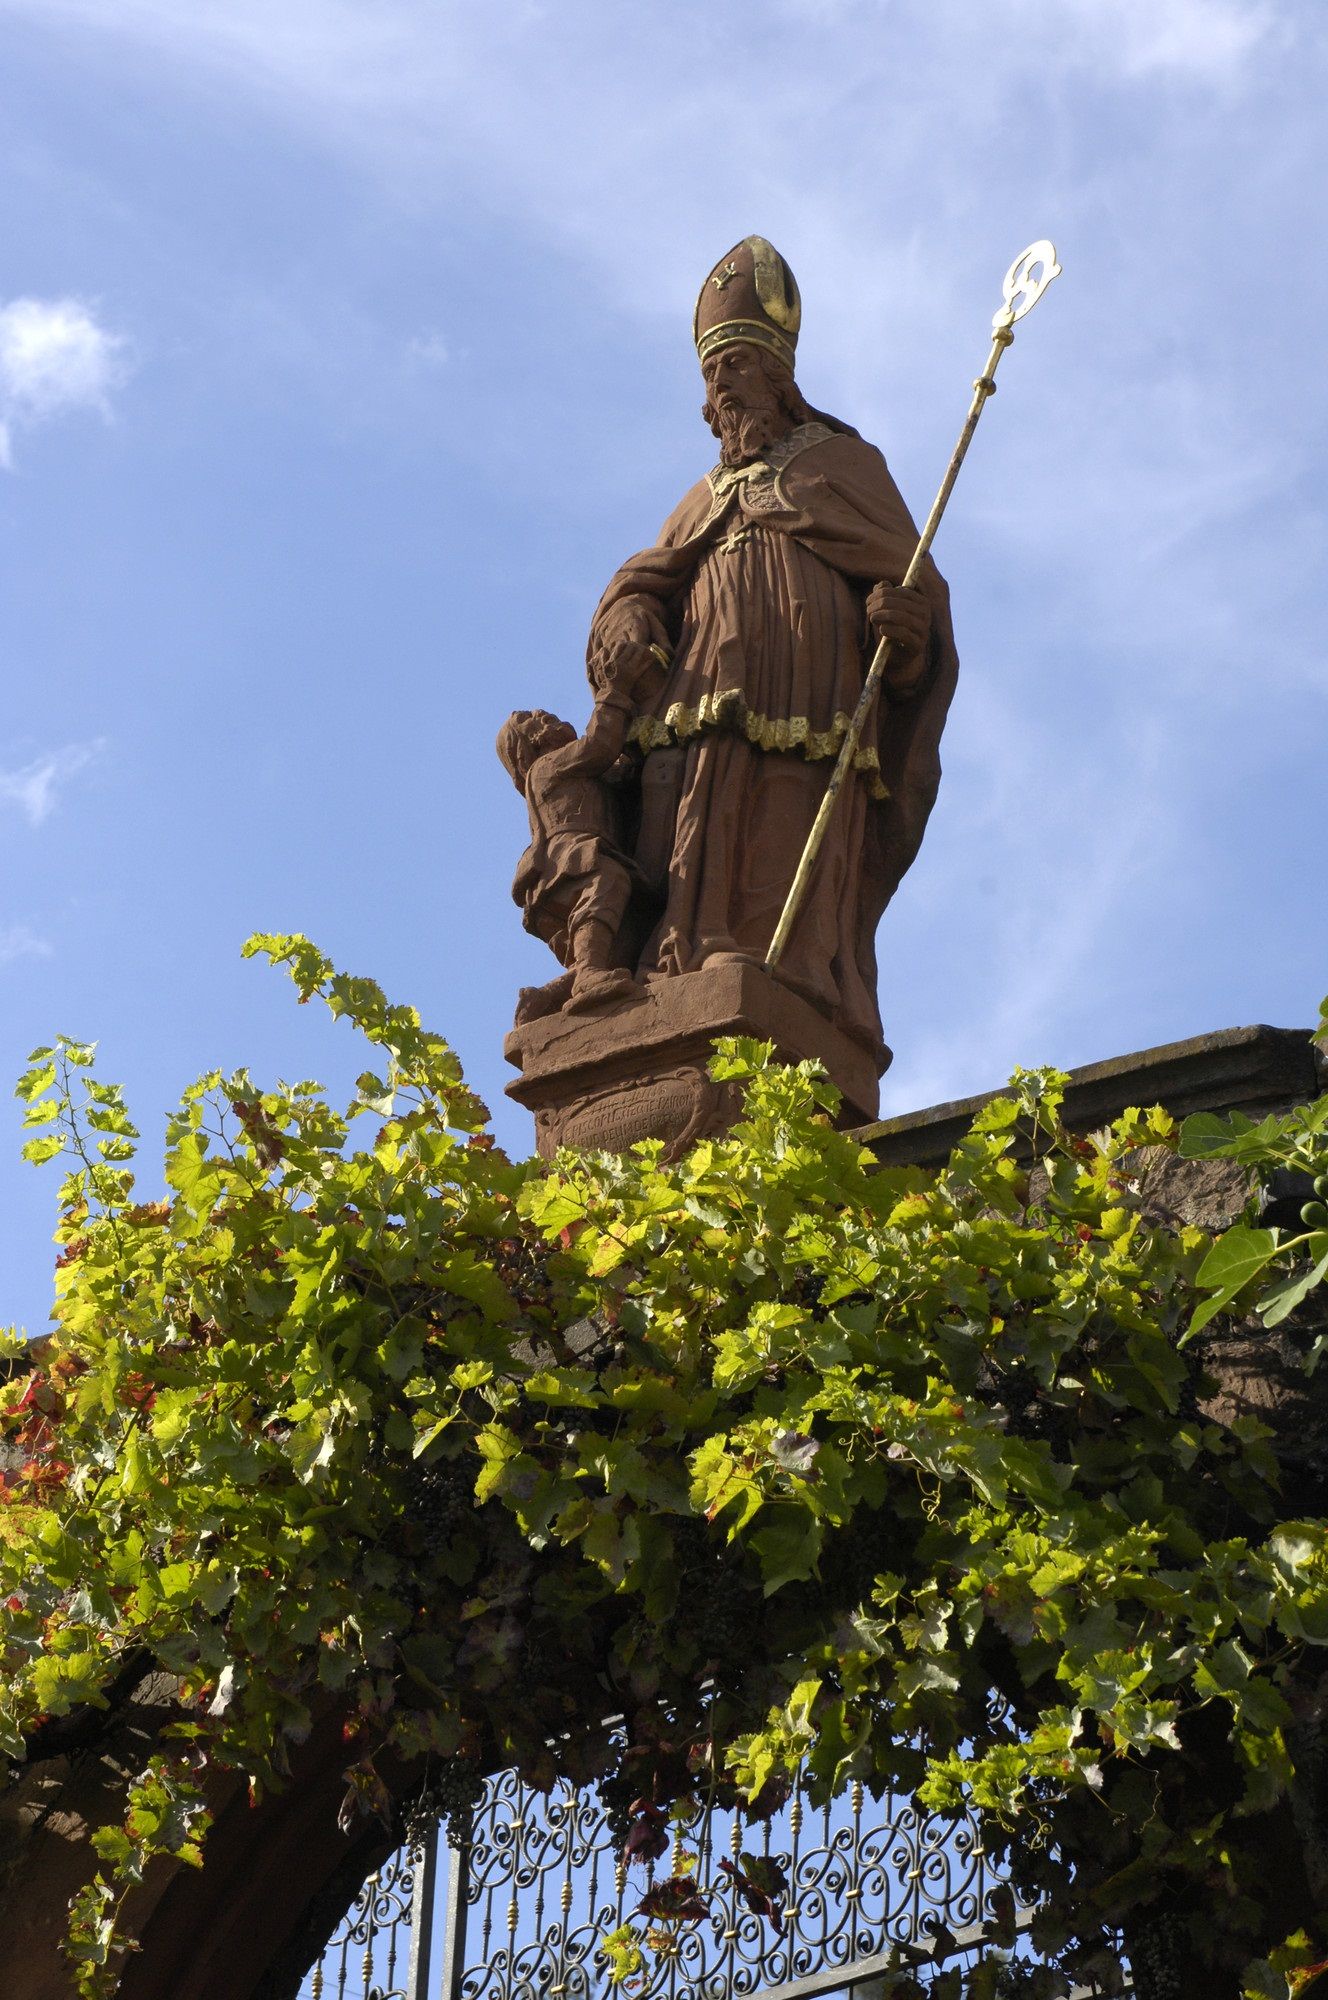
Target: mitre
point(750, 295)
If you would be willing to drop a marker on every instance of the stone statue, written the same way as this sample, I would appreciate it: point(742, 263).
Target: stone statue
point(743, 635)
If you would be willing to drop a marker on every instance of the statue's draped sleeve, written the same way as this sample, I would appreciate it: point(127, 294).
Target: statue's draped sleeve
point(649, 585)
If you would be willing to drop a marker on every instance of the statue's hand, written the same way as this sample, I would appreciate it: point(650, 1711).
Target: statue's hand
point(904, 618)
point(630, 666)
point(630, 644)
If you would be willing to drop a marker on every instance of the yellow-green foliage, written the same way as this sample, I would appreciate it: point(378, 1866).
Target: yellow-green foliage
point(796, 1462)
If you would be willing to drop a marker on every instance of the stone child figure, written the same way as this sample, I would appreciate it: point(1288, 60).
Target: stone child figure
point(574, 882)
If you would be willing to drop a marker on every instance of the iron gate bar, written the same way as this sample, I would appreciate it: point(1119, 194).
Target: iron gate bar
point(454, 1923)
point(421, 1917)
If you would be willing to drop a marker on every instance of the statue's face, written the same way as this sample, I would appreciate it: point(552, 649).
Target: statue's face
point(734, 378)
point(546, 732)
point(743, 407)
point(529, 733)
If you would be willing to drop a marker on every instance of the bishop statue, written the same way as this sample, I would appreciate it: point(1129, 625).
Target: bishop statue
point(725, 661)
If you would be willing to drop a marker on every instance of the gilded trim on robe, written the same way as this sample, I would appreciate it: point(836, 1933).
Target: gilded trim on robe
point(728, 711)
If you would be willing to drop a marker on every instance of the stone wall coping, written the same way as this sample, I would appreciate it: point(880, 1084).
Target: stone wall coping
point(1255, 1070)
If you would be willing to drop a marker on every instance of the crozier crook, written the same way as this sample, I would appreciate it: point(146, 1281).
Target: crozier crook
point(1025, 282)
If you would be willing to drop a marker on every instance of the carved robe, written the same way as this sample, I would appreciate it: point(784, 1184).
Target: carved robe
point(758, 586)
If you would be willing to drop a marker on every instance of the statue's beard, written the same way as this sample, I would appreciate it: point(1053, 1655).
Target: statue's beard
point(746, 429)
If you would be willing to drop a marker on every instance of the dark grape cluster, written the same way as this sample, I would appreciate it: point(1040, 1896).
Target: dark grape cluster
point(808, 1291)
point(1059, 1427)
point(1159, 1950)
point(1198, 1383)
point(854, 1559)
point(717, 1607)
point(444, 1497)
point(451, 1794)
point(617, 1793)
point(694, 1548)
point(1018, 1392)
point(1028, 1410)
point(722, 1611)
point(523, 1267)
point(1017, 1979)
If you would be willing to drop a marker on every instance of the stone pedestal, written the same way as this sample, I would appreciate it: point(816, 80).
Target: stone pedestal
point(636, 1069)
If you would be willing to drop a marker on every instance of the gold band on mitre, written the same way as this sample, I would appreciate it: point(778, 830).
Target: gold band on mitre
point(730, 330)
point(751, 295)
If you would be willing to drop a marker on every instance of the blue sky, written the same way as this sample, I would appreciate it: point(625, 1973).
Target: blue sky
point(344, 351)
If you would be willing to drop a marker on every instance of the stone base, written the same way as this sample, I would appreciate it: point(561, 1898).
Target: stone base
point(636, 1069)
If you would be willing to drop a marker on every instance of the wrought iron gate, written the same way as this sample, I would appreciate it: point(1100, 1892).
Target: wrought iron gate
point(517, 1914)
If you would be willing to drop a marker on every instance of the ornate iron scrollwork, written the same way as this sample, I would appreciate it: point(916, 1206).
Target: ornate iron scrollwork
point(540, 1880)
point(368, 1955)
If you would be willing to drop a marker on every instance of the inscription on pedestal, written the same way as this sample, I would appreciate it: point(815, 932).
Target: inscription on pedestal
point(682, 1105)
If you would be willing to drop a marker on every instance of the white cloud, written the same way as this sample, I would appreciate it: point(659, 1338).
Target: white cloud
point(1204, 39)
point(510, 96)
point(21, 941)
point(429, 348)
point(54, 357)
point(33, 786)
point(762, 115)
point(1205, 42)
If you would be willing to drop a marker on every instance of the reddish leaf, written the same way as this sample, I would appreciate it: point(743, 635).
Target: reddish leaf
point(762, 1885)
point(677, 1901)
point(648, 1834)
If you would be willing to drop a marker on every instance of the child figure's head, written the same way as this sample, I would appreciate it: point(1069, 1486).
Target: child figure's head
point(526, 735)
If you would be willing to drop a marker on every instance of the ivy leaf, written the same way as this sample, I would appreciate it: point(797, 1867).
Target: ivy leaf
point(1274, 1306)
point(1206, 1136)
point(403, 1350)
point(567, 1388)
point(60, 1681)
point(793, 1452)
point(1229, 1671)
point(500, 1448)
point(1234, 1261)
point(621, 1948)
point(613, 1543)
point(38, 1151)
point(788, 1545)
point(36, 1079)
point(1001, 1114)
